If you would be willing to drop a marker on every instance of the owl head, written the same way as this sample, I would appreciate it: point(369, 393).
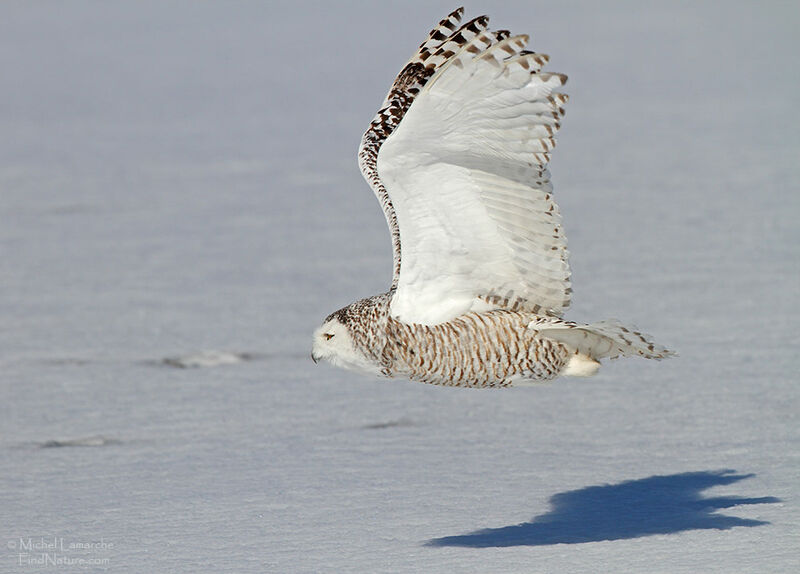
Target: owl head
point(334, 342)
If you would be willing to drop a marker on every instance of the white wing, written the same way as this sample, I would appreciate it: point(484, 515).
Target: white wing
point(464, 173)
point(442, 43)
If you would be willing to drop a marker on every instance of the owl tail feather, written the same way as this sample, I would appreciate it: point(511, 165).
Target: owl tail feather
point(604, 339)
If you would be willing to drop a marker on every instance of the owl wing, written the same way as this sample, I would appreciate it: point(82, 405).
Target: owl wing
point(458, 158)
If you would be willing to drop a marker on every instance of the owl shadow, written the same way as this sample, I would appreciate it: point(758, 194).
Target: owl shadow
point(654, 505)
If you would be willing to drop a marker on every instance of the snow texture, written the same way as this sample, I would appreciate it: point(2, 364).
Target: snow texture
point(179, 189)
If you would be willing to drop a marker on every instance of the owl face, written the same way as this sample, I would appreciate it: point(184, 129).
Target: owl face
point(333, 342)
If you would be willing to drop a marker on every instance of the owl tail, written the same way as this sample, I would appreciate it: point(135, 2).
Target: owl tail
point(605, 339)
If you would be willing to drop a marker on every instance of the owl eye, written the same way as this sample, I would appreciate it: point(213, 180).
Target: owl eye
point(328, 336)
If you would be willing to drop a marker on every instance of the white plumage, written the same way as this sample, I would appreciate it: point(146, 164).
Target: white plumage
point(457, 156)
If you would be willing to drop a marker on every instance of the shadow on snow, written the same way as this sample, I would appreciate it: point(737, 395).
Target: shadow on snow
point(654, 505)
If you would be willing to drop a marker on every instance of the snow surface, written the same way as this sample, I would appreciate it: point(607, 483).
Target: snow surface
point(181, 206)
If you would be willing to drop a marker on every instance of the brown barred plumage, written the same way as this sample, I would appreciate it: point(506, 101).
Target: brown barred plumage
point(488, 349)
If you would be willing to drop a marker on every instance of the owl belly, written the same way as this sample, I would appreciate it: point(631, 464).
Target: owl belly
point(488, 349)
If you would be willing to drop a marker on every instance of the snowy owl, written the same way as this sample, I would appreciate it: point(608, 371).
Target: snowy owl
point(457, 156)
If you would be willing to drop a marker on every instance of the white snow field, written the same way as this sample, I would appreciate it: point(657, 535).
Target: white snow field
point(180, 206)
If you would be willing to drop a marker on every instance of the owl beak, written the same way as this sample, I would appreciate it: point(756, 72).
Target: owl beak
point(314, 358)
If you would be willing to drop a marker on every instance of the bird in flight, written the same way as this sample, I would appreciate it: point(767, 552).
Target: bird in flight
point(457, 156)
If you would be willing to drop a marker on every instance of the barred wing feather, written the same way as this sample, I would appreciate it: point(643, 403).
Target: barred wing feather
point(447, 38)
point(464, 172)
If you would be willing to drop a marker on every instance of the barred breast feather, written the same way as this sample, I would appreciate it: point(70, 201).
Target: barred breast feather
point(490, 349)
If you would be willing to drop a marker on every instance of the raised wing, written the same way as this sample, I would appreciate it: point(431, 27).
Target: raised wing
point(442, 43)
point(462, 175)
